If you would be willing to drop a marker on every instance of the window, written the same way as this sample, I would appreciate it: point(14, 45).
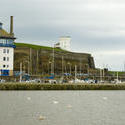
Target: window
point(4, 66)
point(7, 58)
point(7, 66)
point(7, 50)
point(4, 58)
point(4, 50)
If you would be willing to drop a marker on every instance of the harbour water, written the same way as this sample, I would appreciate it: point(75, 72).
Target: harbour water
point(62, 107)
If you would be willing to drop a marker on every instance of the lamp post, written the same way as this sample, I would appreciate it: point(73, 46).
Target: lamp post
point(62, 66)
point(103, 72)
point(53, 61)
point(50, 65)
point(37, 64)
point(20, 71)
point(100, 75)
point(69, 67)
point(30, 58)
point(28, 63)
point(80, 68)
point(117, 77)
point(87, 69)
point(75, 73)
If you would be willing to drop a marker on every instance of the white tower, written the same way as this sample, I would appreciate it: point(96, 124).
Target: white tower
point(7, 50)
point(64, 43)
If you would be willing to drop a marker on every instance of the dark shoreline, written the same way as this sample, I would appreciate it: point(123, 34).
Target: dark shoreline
point(75, 86)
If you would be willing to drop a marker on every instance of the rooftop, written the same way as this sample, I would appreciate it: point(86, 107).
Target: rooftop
point(5, 34)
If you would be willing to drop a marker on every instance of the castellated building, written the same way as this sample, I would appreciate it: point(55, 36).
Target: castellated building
point(7, 50)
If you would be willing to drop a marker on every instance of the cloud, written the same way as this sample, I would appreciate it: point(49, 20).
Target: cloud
point(96, 26)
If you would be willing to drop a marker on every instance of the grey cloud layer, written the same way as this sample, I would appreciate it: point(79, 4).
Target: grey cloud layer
point(94, 25)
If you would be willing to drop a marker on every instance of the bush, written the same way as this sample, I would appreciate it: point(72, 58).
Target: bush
point(36, 86)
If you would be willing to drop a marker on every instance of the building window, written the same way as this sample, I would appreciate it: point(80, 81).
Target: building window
point(4, 58)
point(4, 50)
point(4, 66)
point(7, 50)
point(7, 66)
point(7, 58)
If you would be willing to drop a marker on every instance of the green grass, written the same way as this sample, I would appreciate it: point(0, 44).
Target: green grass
point(37, 47)
point(115, 73)
point(36, 86)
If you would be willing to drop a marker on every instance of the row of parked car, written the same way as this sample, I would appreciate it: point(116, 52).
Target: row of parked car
point(89, 81)
point(60, 81)
point(41, 81)
point(53, 81)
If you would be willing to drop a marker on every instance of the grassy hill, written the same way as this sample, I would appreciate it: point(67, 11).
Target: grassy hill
point(120, 73)
point(39, 59)
point(37, 47)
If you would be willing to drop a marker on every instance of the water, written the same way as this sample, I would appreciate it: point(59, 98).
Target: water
point(62, 107)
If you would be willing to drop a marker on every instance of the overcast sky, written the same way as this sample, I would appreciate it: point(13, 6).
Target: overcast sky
point(95, 26)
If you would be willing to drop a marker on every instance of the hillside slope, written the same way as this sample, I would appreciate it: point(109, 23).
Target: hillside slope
point(39, 60)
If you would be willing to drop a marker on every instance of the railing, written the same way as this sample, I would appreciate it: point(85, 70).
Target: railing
point(7, 45)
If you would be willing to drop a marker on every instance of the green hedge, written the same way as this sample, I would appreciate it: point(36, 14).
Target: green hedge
point(35, 86)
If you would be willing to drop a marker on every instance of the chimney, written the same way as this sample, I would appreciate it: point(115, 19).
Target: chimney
point(11, 26)
point(1, 25)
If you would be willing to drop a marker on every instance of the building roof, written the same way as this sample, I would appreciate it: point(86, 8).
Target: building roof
point(4, 34)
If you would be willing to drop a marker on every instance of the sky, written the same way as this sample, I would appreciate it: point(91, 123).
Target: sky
point(95, 26)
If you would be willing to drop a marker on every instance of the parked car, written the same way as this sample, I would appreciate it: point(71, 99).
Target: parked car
point(33, 81)
point(2, 80)
point(52, 81)
point(71, 81)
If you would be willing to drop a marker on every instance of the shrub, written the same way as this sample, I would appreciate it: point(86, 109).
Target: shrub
point(38, 86)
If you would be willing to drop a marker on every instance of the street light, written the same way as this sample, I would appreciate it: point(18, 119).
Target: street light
point(80, 68)
point(69, 67)
point(50, 64)
point(100, 75)
point(53, 62)
point(20, 71)
point(75, 73)
point(28, 71)
point(87, 69)
point(62, 66)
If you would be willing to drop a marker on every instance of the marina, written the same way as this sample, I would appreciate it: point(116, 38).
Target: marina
point(62, 62)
